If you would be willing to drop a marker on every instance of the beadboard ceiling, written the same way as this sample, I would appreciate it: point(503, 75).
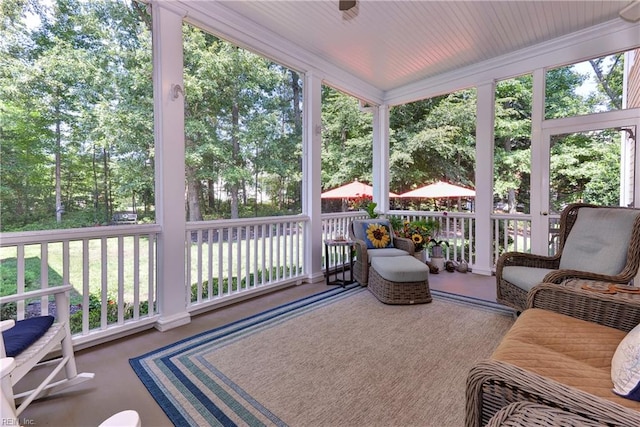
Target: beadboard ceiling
point(389, 44)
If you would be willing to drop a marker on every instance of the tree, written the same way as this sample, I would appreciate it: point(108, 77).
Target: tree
point(243, 128)
point(81, 80)
point(347, 139)
point(433, 140)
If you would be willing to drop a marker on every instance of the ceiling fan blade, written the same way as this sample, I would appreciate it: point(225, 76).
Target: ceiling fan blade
point(346, 4)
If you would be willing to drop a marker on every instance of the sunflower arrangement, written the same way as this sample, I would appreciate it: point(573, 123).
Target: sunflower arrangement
point(420, 232)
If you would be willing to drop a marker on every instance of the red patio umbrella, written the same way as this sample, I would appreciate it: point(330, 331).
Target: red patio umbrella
point(351, 191)
point(439, 190)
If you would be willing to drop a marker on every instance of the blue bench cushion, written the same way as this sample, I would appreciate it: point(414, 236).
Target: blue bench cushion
point(400, 269)
point(24, 333)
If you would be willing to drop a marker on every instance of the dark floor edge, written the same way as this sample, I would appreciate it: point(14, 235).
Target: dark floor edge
point(474, 301)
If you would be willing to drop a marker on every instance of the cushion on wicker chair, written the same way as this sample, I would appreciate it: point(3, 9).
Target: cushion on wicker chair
point(24, 333)
point(386, 252)
point(571, 351)
point(525, 277)
point(625, 366)
point(599, 241)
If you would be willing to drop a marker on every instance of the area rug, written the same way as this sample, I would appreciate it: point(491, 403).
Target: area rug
point(339, 358)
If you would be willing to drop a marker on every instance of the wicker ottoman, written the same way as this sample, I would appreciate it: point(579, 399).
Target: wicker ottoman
point(399, 280)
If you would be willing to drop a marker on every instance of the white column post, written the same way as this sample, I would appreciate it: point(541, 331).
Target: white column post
point(380, 164)
point(484, 177)
point(539, 159)
point(170, 166)
point(312, 178)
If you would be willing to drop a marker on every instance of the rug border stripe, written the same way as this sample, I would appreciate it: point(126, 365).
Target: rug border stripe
point(171, 410)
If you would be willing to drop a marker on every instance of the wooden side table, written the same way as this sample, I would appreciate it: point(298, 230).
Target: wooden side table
point(341, 250)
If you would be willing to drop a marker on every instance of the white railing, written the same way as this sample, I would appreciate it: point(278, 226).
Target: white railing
point(112, 270)
point(455, 228)
point(228, 257)
point(511, 233)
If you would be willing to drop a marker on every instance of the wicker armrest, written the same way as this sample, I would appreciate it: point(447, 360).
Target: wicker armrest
point(534, 414)
point(492, 385)
point(361, 264)
point(526, 260)
point(620, 311)
point(560, 276)
point(361, 248)
point(404, 244)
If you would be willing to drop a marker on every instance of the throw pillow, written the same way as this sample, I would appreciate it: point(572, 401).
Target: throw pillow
point(625, 366)
point(377, 235)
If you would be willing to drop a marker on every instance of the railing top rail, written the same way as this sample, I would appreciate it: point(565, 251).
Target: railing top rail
point(241, 222)
point(347, 214)
point(516, 216)
point(437, 214)
point(30, 237)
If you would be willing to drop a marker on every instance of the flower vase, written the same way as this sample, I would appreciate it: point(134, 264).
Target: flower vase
point(420, 256)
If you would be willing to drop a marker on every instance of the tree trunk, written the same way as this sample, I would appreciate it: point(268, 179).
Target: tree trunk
point(105, 180)
point(297, 114)
point(58, 172)
point(193, 195)
point(511, 194)
point(235, 158)
point(604, 81)
point(96, 191)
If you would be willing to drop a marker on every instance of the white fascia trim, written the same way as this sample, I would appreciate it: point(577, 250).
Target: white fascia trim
point(245, 33)
point(607, 38)
point(169, 5)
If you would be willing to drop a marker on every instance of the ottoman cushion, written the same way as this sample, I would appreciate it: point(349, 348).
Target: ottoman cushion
point(386, 252)
point(403, 269)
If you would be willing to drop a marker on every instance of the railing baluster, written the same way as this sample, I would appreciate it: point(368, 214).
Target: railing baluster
point(104, 284)
point(20, 279)
point(189, 260)
point(220, 262)
point(44, 278)
point(152, 276)
point(136, 277)
point(210, 232)
point(247, 257)
point(120, 280)
point(198, 266)
point(85, 286)
point(238, 235)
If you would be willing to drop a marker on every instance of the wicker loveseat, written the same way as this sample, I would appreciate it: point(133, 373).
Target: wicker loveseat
point(399, 246)
point(595, 243)
point(558, 354)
